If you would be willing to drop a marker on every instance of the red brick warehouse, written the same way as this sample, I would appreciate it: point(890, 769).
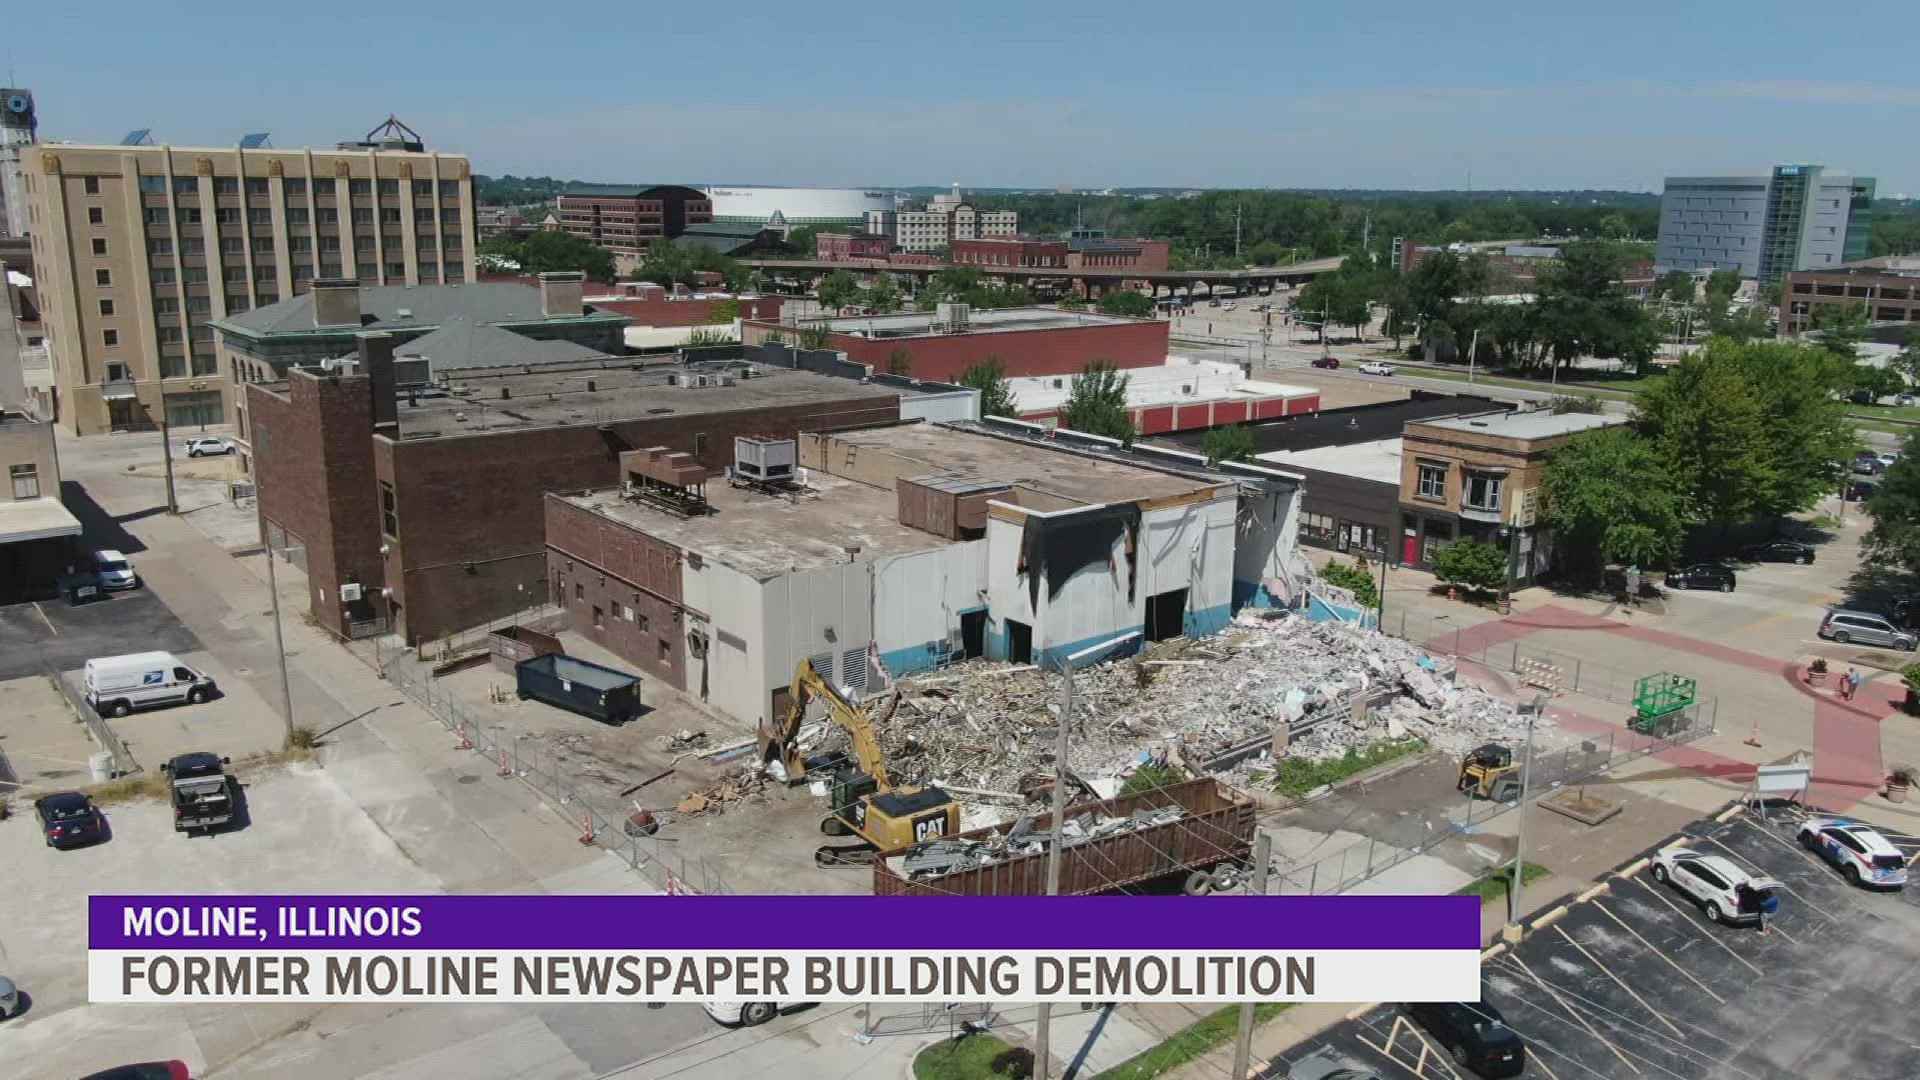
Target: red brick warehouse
point(1026, 341)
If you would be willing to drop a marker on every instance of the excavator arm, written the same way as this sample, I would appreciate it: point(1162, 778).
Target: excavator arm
point(779, 737)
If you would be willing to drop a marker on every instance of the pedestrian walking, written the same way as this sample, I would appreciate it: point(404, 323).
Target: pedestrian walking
point(1858, 678)
point(1848, 683)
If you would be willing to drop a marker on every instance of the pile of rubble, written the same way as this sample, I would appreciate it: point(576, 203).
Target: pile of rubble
point(1212, 704)
point(935, 858)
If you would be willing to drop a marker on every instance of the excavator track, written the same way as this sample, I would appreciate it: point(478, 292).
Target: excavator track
point(844, 856)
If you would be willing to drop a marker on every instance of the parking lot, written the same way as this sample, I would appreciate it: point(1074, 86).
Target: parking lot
point(1635, 982)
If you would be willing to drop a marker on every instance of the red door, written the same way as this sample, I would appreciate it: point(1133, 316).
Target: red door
point(1410, 550)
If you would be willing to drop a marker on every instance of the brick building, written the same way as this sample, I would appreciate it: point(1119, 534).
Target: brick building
point(1888, 286)
point(1026, 341)
point(626, 219)
point(653, 305)
point(843, 247)
point(1478, 476)
point(1517, 268)
point(1117, 253)
point(427, 495)
point(1009, 251)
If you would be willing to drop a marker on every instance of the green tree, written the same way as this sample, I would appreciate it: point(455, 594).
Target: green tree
point(1342, 298)
point(1674, 285)
point(542, 252)
point(1469, 562)
point(1750, 429)
point(1149, 777)
point(669, 265)
point(1073, 302)
point(1615, 227)
point(1878, 381)
point(1907, 362)
point(1577, 403)
point(701, 337)
point(1581, 309)
point(1097, 403)
point(723, 311)
point(885, 295)
point(1894, 539)
point(900, 361)
point(1126, 302)
point(1230, 443)
point(1842, 328)
point(1608, 496)
point(1355, 579)
point(989, 376)
point(839, 289)
point(802, 241)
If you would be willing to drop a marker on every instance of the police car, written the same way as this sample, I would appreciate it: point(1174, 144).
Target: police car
point(1864, 856)
point(1727, 893)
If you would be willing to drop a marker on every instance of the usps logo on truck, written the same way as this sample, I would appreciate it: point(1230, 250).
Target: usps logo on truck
point(153, 678)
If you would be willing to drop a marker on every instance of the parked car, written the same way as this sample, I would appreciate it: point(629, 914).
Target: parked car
point(210, 444)
point(1778, 551)
point(1907, 400)
point(117, 685)
point(150, 1070)
point(750, 1013)
point(1702, 576)
point(1228, 306)
point(9, 998)
point(201, 791)
point(112, 569)
point(1868, 465)
point(1475, 1034)
point(1323, 1065)
point(1327, 362)
point(1862, 397)
point(1847, 625)
point(1723, 890)
point(1863, 855)
point(1861, 490)
point(69, 819)
point(1888, 458)
point(81, 587)
point(1376, 367)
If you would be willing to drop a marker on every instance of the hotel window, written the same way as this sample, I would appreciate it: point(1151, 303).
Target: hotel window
point(389, 511)
point(359, 187)
point(109, 337)
point(296, 186)
point(257, 185)
point(226, 185)
point(99, 247)
point(106, 307)
point(1433, 481)
point(96, 216)
point(103, 278)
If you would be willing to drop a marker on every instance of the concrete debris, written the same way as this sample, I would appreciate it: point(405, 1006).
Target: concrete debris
point(736, 785)
point(1190, 706)
point(935, 858)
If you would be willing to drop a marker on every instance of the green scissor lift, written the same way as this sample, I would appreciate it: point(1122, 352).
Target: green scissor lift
point(1660, 703)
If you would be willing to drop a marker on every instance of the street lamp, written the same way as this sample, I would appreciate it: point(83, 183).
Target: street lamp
point(166, 441)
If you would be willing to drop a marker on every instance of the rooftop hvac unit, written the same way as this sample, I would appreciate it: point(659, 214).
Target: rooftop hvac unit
point(762, 460)
point(953, 315)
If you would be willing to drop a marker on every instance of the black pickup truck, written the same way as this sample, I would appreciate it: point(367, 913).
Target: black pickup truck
point(201, 792)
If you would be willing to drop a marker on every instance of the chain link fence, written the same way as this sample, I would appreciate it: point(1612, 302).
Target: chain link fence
point(1574, 674)
point(1549, 770)
point(603, 820)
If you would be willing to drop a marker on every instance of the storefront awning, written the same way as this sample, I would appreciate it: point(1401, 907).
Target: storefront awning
point(35, 519)
point(117, 391)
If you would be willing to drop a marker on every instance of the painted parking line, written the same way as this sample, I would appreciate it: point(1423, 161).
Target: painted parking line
point(1657, 1043)
point(1622, 983)
point(1760, 871)
point(1764, 620)
point(1657, 951)
point(1693, 920)
point(1428, 1054)
point(37, 610)
point(1847, 894)
point(1571, 1011)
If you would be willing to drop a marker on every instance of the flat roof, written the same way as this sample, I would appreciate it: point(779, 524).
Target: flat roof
point(36, 519)
point(424, 307)
point(1377, 460)
point(770, 535)
point(1074, 477)
point(997, 320)
point(558, 395)
point(1533, 424)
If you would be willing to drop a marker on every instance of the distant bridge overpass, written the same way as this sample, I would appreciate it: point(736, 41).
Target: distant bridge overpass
point(1094, 280)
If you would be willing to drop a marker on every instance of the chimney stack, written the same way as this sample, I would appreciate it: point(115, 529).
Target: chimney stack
point(376, 363)
point(560, 292)
point(336, 302)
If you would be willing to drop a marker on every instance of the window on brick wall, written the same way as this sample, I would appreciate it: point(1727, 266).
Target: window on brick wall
point(1433, 481)
point(579, 590)
point(389, 511)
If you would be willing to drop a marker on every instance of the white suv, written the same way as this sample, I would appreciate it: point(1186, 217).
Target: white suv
point(212, 444)
point(1727, 893)
point(1376, 367)
point(1864, 856)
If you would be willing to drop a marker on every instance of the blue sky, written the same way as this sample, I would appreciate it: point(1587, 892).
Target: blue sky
point(1386, 94)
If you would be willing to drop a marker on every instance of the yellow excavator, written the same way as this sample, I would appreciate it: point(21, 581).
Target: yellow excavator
point(865, 803)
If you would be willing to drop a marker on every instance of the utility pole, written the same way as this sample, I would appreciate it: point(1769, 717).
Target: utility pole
point(1518, 884)
point(1243, 1041)
point(1043, 1061)
point(1236, 230)
point(1380, 597)
point(1473, 350)
point(166, 451)
point(279, 641)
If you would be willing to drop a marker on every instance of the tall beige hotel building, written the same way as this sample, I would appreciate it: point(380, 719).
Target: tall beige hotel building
point(137, 248)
